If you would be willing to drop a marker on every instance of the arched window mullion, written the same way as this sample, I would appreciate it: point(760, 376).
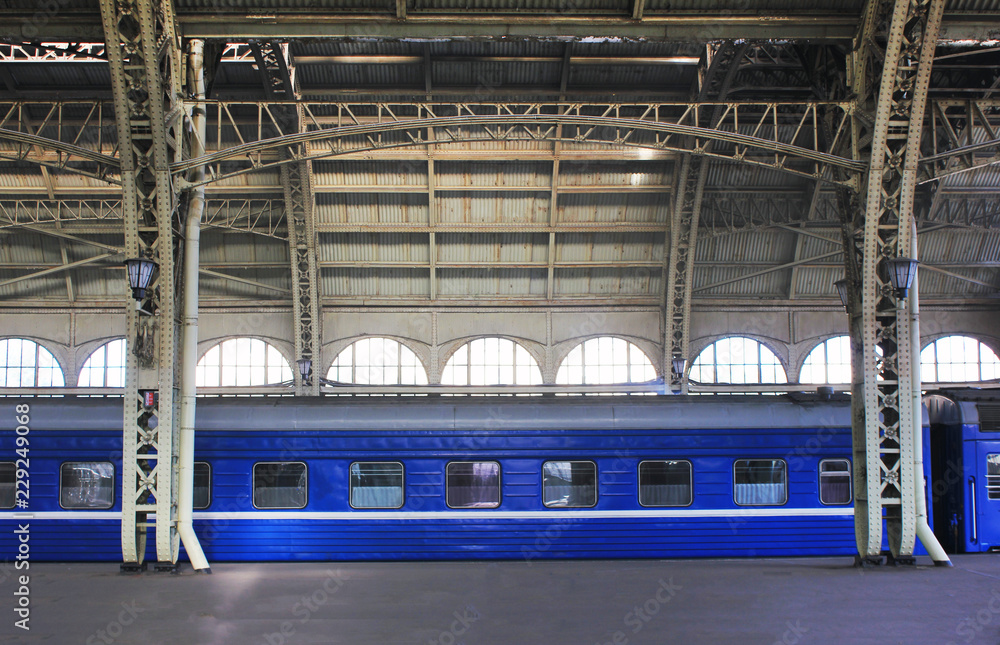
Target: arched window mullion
point(958, 359)
point(492, 360)
point(25, 363)
point(242, 362)
point(742, 359)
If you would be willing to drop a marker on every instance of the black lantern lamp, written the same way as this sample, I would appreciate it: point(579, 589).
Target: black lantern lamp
point(901, 273)
point(678, 364)
point(140, 274)
point(305, 368)
point(842, 291)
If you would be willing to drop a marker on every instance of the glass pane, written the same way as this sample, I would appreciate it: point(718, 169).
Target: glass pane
point(835, 481)
point(759, 482)
point(569, 484)
point(89, 484)
point(7, 472)
point(279, 485)
point(665, 483)
point(202, 485)
point(473, 484)
point(376, 485)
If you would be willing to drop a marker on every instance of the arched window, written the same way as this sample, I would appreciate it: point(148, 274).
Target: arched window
point(105, 367)
point(737, 360)
point(605, 360)
point(491, 361)
point(242, 362)
point(377, 361)
point(25, 363)
point(828, 362)
point(958, 359)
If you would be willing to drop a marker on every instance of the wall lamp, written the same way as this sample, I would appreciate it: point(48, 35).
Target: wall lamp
point(842, 291)
point(140, 274)
point(305, 368)
point(678, 365)
point(901, 273)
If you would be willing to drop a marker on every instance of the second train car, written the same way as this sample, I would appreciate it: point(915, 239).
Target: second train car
point(453, 478)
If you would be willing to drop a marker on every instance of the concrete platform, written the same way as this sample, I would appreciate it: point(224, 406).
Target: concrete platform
point(790, 601)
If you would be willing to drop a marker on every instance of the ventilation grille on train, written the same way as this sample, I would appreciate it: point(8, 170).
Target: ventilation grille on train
point(989, 418)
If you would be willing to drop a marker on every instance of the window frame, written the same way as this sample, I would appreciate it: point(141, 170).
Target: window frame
point(398, 367)
point(850, 481)
point(89, 369)
point(474, 461)
point(402, 486)
point(638, 481)
point(13, 483)
point(597, 482)
point(253, 485)
point(209, 466)
point(781, 371)
point(55, 368)
point(784, 471)
point(995, 478)
point(114, 488)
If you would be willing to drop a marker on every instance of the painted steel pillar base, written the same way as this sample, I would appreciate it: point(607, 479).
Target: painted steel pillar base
point(166, 567)
point(900, 560)
point(867, 561)
point(132, 567)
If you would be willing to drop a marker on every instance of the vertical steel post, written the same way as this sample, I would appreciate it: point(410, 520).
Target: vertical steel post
point(884, 427)
point(145, 73)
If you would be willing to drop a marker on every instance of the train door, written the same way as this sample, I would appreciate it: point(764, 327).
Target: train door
point(983, 483)
point(946, 488)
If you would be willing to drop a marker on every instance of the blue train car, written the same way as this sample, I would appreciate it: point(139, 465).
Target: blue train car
point(964, 486)
point(415, 478)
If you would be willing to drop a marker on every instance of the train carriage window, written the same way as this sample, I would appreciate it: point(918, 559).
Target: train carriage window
point(202, 485)
point(473, 484)
point(7, 484)
point(279, 485)
point(87, 484)
point(567, 484)
point(376, 484)
point(665, 483)
point(835, 481)
point(760, 482)
point(993, 476)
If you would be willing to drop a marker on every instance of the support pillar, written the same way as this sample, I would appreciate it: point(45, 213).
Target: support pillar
point(884, 419)
point(146, 79)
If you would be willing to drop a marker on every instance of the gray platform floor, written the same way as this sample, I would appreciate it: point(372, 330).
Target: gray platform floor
point(790, 601)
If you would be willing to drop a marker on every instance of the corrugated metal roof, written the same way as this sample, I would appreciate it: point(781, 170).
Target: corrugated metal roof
point(502, 248)
point(614, 207)
point(610, 247)
point(488, 207)
point(371, 208)
point(373, 247)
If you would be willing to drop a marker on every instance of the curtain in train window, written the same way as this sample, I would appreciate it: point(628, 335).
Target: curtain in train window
point(473, 484)
point(87, 484)
point(376, 484)
point(279, 485)
point(569, 484)
point(7, 484)
point(993, 476)
point(759, 482)
point(665, 483)
point(202, 485)
point(835, 481)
